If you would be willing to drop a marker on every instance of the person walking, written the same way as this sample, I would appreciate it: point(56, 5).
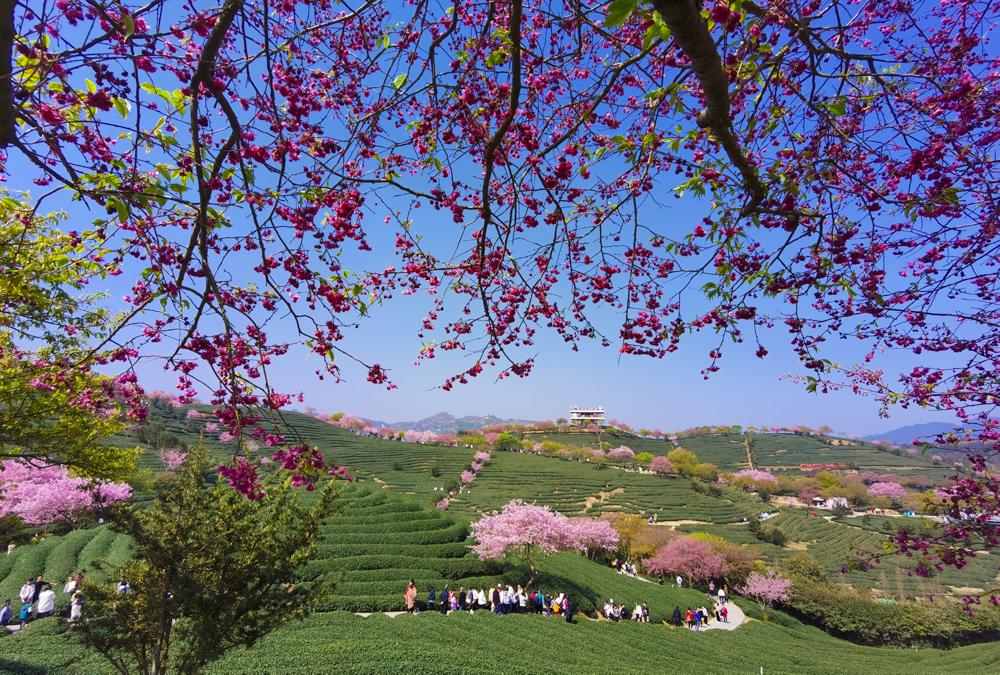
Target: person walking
point(431, 597)
point(725, 614)
point(6, 614)
point(76, 607)
point(677, 617)
point(27, 591)
point(410, 596)
point(38, 584)
point(680, 581)
point(24, 615)
point(481, 601)
point(495, 606)
point(443, 600)
point(46, 602)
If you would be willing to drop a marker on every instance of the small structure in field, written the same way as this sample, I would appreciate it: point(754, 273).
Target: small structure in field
point(583, 416)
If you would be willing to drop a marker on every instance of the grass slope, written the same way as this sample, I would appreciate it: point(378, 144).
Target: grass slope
point(433, 644)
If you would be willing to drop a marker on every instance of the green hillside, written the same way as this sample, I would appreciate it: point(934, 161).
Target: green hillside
point(482, 643)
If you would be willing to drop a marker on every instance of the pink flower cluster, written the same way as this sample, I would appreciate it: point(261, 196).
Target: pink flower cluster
point(521, 527)
point(422, 437)
point(690, 558)
point(890, 489)
point(755, 479)
point(479, 460)
point(172, 458)
point(766, 588)
point(49, 494)
point(660, 464)
point(621, 452)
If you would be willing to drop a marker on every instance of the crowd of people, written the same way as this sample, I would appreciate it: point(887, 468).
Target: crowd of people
point(617, 612)
point(627, 568)
point(38, 601)
point(698, 618)
point(501, 600)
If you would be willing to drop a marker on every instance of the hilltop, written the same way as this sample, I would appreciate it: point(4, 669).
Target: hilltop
point(446, 423)
point(910, 433)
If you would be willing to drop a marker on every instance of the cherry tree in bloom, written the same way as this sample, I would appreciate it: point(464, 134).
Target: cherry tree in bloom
point(467, 477)
point(39, 496)
point(491, 437)
point(660, 464)
point(755, 479)
point(890, 489)
point(172, 458)
point(766, 589)
point(690, 558)
point(621, 452)
point(592, 535)
point(423, 437)
point(528, 532)
point(481, 457)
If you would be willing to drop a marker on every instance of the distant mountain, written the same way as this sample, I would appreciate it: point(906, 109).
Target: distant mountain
point(906, 435)
point(445, 423)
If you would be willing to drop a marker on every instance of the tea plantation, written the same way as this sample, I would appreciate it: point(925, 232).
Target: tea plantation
point(576, 488)
point(433, 644)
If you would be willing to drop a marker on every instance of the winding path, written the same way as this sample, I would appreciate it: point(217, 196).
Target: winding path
point(736, 618)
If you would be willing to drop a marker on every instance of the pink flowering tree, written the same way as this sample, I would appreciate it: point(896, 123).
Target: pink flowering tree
point(481, 457)
point(172, 458)
point(621, 453)
point(44, 495)
point(528, 532)
point(889, 489)
point(692, 559)
point(661, 465)
point(592, 535)
point(766, 589)
point(755, 479)
point(467, 477)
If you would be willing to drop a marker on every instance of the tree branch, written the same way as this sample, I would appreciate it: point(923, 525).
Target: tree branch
point(690, 32)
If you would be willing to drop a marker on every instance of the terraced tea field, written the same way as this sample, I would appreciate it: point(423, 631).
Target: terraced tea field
point(832, 541)
point(576, 488)
point(58, 557)
point(379, 541)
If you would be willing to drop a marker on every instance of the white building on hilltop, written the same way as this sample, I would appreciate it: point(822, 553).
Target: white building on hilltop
point(583, 416)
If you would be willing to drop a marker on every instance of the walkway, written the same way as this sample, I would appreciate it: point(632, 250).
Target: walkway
point(736, 618)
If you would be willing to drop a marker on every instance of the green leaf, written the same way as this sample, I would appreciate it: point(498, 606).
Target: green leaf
point(619, 11)
point(122, 106)
point(399, 81)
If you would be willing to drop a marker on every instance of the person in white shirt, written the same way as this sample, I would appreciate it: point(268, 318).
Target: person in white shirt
point(46, 602)
point(637, 613)
point(70, 585)
point(76, 607)
point(481, 599)
point(27, 591)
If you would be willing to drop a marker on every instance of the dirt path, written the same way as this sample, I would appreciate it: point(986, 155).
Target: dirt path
point(600, 498)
